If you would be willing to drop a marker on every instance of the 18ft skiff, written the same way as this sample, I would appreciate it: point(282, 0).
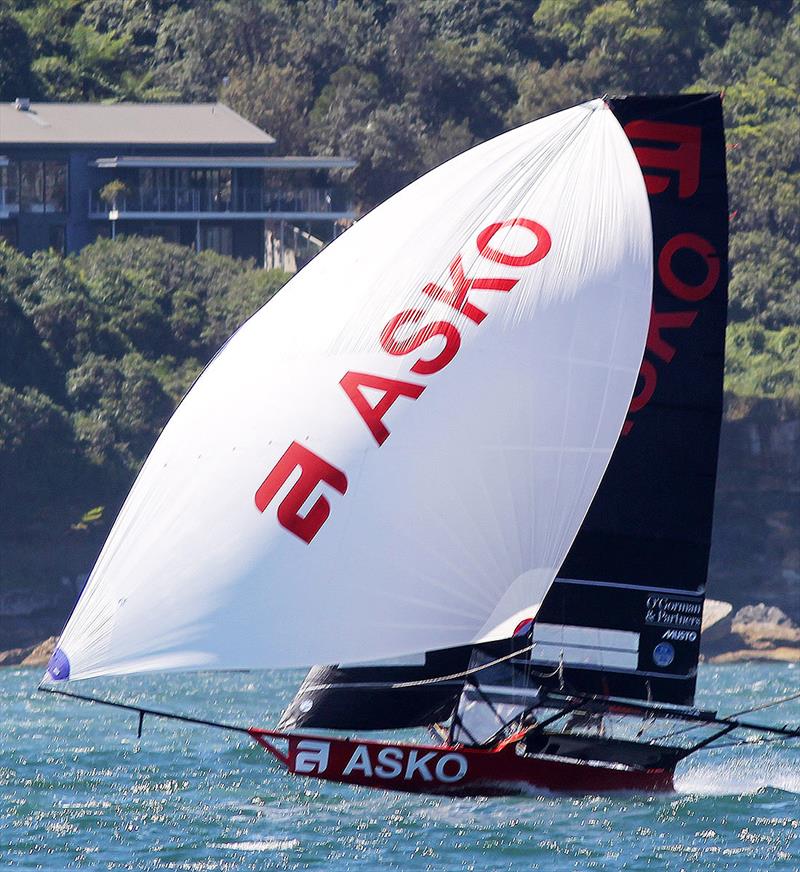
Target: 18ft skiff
point(482, 424)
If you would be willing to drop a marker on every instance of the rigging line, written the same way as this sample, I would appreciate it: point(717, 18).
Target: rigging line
point(400, 685)
point(439, 679)
point(691, 715)
point(142, 710)
point(738, 743)
point(678, 732)
point(766, 705)
point(746, 711)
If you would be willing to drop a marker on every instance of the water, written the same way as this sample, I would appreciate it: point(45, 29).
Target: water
point(78, 791)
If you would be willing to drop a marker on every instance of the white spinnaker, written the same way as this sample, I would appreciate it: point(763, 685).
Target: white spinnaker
point(464, 514)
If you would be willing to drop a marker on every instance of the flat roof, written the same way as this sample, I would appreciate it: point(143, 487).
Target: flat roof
point(128, 123)
point(285, 162)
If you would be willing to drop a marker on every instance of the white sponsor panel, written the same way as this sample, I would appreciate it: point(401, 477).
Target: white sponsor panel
point(585, 646)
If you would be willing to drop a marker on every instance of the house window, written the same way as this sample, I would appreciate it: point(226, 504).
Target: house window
point(43, 186)
point(186, 190)
point(55, 186)
point(31, 186)
point(9, 178)
point(217, 237)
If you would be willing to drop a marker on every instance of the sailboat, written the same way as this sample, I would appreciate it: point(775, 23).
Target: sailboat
point(482, 425)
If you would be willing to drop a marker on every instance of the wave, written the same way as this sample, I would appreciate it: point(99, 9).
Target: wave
point(260, 845)
point(738, 777)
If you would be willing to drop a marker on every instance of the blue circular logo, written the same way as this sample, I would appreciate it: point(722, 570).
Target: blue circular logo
point(663, 654)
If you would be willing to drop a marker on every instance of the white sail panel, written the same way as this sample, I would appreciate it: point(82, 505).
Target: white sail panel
point(395, 454)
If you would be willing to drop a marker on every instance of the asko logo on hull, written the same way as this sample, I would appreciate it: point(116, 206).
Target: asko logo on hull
point(390, 763)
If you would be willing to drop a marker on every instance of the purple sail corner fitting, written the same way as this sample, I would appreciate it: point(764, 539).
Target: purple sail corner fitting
point(58, 667)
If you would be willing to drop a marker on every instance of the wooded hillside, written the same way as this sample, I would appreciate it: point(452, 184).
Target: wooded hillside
point(98, 348)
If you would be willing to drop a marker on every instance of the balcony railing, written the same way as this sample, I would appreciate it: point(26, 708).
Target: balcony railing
point(247, 200)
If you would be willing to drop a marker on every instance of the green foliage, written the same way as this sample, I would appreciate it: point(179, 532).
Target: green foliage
point(24, 362)
point(230, 305)
point(111, 192)
point(97, 351)
point(403, 86)
point(649, 45)
point(765, 279)
point(16, 58)
point(37, 454)
point(154, 293)
point(124, 407)
point(762, 364)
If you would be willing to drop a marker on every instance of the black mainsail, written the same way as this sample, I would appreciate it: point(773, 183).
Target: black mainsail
point(636, 573)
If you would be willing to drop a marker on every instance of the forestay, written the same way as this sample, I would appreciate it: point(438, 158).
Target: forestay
point(396, 453)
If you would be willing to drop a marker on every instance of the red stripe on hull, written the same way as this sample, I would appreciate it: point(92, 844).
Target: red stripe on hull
point(452, 770)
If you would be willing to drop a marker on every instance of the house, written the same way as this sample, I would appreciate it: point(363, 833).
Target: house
point(196, 174)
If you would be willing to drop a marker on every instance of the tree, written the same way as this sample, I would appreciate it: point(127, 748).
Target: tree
point(16, 57)
point(113, 191)
point(229, 306)
point(277, 99)
point(643, 45)
point(38, 460)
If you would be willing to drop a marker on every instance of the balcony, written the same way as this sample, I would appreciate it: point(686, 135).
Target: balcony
point(301, 204)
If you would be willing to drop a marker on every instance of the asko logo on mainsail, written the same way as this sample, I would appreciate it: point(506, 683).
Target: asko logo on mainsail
point(510, 371)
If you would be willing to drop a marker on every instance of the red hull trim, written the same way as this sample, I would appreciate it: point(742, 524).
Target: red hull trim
point(450, 770)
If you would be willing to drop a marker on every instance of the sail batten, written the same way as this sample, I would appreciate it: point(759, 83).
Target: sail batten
point(399, 449)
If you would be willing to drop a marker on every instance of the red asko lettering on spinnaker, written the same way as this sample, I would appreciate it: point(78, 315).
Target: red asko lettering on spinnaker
point(674, 149)
point(405, 333)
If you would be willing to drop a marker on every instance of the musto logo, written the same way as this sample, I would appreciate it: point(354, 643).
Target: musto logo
point(313, 757)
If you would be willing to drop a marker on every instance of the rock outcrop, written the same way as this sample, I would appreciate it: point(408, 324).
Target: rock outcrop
point(40, 654)
point(762, 627)
point(31, 655)
point(15, 656)
point(754, 632)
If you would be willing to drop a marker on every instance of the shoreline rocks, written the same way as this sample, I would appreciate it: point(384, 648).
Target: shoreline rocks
point(761, 626)
point(779, 655)
point(33, 655)
point(754, 632)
